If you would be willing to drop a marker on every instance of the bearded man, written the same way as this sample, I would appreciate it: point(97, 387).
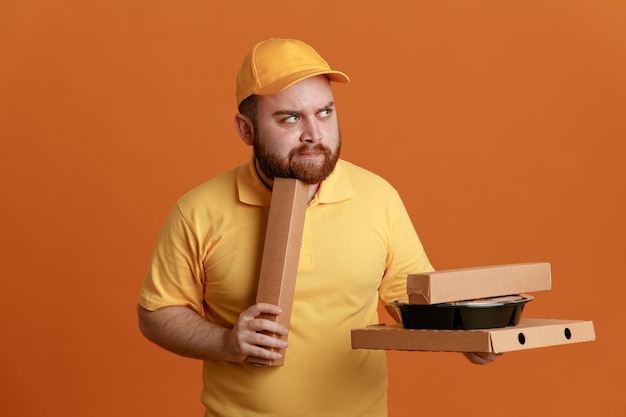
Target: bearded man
point(358, 246)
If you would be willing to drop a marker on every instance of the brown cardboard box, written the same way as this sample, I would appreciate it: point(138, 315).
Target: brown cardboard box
point(281, 252)
point(480, 282)
point(473, 283)
point(528, 334)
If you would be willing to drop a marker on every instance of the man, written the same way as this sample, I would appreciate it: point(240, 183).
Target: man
point(198, 298)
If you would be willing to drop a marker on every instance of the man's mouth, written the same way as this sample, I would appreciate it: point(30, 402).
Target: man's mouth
point(309, 154)
point(312, 152)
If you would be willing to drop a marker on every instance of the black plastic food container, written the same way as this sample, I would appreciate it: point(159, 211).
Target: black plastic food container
point(468, 315)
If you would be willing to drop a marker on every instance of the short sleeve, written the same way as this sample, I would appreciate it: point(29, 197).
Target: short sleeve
point(406, 256)
point(175, 276)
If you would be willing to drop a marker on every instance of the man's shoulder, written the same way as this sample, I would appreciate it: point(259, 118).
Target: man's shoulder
point(223, 186)
point(363, 177)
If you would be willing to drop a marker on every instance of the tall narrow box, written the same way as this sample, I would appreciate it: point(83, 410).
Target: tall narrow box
point(281, 253)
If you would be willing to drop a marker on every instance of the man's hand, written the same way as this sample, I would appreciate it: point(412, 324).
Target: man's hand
point(249, 336)
point(480, 358)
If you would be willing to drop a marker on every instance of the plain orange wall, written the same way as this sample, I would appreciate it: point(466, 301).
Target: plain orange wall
point(502, 124)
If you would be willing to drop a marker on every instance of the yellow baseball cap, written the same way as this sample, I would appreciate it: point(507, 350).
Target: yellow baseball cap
point(276, 64)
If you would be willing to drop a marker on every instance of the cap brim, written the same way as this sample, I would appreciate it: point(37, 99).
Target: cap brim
point(286, 82)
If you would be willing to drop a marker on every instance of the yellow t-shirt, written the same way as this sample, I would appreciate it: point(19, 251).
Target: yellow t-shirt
point(358, 244)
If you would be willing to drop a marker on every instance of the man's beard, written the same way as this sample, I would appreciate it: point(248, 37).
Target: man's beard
point(307, 171)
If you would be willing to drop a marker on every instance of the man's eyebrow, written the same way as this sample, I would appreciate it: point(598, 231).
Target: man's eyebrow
point(299, 113)
point(328, 106)
point(286, 112)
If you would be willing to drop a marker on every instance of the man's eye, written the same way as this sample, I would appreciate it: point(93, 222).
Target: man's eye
point(325, 112)
point(290, 119)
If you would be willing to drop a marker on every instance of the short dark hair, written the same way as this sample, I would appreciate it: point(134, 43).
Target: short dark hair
point(248, 107)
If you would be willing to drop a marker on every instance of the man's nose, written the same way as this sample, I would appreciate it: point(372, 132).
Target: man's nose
point(311, 131)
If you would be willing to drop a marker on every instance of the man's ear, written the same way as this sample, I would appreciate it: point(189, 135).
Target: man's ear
point(244, 128)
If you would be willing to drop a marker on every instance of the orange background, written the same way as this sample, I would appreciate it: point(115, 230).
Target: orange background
point(501, 124)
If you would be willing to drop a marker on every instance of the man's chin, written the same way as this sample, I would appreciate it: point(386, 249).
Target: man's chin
point(308, 170)
point(313, 174)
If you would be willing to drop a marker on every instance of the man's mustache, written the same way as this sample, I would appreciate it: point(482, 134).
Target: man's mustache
point(311, 148)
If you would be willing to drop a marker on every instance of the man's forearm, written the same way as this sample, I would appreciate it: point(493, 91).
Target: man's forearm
point(182, 331)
